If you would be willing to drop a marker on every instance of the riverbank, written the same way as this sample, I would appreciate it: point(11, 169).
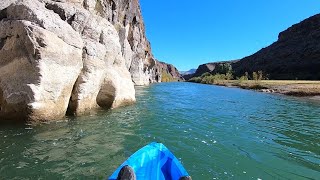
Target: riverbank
point(286, 87)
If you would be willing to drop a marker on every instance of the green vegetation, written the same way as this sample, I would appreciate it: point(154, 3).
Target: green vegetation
point(221, 74)
point(208, 78)
point(244, 78)
point(166, 77)
point(257, 76)
point(257, 82)
point(224, 68)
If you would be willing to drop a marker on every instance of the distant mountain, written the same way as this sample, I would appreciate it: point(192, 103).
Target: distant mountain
point(295, 55)
point(221, 67)
point(191, 71)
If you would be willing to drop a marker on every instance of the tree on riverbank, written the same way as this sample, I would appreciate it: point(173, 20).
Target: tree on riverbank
point(218, 78)
point(208, 78)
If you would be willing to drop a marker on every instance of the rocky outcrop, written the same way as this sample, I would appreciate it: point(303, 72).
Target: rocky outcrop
point(296, 54)
point(56, 56)
point(166, 73)
point(213, 68)
point(71, 56)
point(126, 16)
point(41, 58)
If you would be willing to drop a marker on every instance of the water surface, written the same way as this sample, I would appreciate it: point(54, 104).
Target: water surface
point(216, 132)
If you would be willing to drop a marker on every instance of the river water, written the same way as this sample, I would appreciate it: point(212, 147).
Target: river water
point(216, 132)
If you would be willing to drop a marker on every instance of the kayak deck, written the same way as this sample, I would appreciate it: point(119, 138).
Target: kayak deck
point(154, 161)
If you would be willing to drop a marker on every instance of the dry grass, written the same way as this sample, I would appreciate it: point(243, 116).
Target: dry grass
point(288, 87)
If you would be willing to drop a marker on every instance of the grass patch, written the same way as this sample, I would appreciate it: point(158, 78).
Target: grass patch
point(287, 87)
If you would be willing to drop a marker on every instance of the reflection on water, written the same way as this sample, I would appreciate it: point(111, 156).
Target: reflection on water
point(217, 133)
point(85, 147)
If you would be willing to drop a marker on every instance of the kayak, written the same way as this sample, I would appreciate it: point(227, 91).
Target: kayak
point(154, 161)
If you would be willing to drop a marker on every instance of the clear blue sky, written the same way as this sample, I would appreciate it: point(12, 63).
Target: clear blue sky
point(188, 33)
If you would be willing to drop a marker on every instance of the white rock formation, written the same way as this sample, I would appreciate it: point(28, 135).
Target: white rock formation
point(55, 55)
point(59, 56)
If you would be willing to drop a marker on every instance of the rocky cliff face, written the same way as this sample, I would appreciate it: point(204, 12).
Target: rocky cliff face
point(213, 68)
point(296, 54)
point(127, 19)
point(166, 72)
point(75, 55)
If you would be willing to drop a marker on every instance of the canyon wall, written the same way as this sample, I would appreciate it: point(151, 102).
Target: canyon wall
point(295, 55)
point(71, 56)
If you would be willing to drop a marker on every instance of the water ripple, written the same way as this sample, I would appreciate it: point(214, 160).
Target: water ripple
point(216, 132)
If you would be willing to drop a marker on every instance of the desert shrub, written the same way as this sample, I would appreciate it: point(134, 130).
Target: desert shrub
point(243, 78)
point(205, 74)
point(229, 76)
point(255, 76)
point(208, 78)
point(195, 79)
point(166, 77)
point(260, 75)
point(223, 68)
point(246, 74)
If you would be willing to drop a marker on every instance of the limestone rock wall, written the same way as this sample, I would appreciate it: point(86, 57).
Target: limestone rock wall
point(126, 17)
point(59, 55)
point(71, 56)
